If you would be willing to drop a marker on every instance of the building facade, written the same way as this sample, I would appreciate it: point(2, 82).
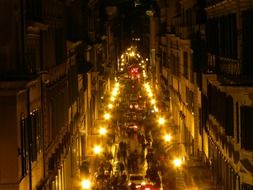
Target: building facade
point(206, 75)
point(51, 76)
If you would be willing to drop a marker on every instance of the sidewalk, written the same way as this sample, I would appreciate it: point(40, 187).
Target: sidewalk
point(198, 176)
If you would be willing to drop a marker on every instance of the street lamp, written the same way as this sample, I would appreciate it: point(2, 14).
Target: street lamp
point(107, 116)
point(153, 101)
point(113, 99)
point(161, 121)
point(167, 138)
point(102, 131)
point(110, 106)
point(177, 162)
point(97, 149)
point(86, 184)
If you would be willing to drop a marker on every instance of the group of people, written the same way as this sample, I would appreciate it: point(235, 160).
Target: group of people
point(107, 179)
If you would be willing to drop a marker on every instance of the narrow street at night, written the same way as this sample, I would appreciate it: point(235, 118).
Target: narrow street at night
point(146, 151)
point(126, 95)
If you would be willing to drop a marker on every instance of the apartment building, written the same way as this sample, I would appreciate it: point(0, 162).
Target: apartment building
point(50, 56)
point(206, 74)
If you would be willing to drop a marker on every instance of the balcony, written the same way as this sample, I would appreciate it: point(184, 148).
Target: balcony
point(227, 3)
point(230, 67)
point(213, 2)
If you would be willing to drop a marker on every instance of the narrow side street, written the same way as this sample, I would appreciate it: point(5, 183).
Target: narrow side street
point(139, 145)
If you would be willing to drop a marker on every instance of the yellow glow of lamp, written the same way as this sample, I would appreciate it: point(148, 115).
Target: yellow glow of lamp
point(117, 85)
point(150, 94)
point(153, 101)
point(107, 116)
point(86, 184)
point(114, 92)
point(167, 138)
point(112, 98)
point(102, 131)
point(161, 121)
point(110, 106)
point(97, 149)
point(177, 162)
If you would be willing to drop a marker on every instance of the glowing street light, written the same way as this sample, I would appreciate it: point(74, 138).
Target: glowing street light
point(150, 94)
point(153, 101)
point(114, 92)
point(167, 138)
point(112, 98)
point(102, 131)
point(86, 184)
point(177, 162)
point(97, 149)
point(117, 85)
point(110, 106)
point(161, 121)
point(107, 116)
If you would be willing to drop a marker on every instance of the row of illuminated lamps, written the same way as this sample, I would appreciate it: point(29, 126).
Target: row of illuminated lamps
point(114, 94)
point(97, 149)
point(107, 116)
point(131, 52)
point(151, 96)
point(177, 162)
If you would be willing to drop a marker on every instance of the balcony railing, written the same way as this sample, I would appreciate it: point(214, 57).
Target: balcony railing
point(213, 2)
point(230, 66)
